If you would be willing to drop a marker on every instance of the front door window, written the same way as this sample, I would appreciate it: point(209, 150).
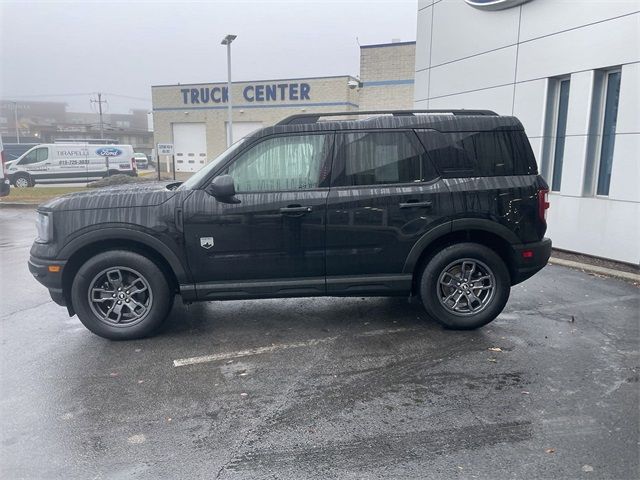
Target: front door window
point(282, 163)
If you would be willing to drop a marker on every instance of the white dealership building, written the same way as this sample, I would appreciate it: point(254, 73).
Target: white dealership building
point(570, 71)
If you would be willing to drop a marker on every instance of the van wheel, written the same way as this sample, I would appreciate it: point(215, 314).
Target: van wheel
point(22, 180)
point(121, 295)
point(465, 286)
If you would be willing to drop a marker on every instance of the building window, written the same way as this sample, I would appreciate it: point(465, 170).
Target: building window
point(608, 130)
point(561, 94)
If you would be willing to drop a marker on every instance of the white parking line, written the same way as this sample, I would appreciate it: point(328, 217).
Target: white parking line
point(181, 362)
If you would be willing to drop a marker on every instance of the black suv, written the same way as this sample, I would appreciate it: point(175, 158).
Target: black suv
point(446, 206)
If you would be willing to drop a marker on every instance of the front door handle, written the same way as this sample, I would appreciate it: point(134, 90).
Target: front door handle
point(295, 210)
point(416, 204)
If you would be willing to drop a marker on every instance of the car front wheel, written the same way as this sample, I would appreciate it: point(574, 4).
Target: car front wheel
point(121, 295)
point(465, 286)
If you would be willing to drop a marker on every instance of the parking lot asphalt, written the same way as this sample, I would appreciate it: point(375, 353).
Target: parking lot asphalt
point(322, 388)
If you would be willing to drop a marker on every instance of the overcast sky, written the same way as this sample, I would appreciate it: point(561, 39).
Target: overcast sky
point(65, 50)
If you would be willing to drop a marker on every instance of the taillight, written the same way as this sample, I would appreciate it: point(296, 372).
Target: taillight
point(543, 204)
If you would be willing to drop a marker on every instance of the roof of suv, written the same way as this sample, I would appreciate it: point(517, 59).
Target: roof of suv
point(445, 122)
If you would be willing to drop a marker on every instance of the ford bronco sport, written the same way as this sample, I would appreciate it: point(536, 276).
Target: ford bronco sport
point(446, 206)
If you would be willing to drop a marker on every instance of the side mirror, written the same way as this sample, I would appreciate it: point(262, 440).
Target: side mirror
point(223, 189)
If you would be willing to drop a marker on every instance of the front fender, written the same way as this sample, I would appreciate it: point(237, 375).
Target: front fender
point(128, 233)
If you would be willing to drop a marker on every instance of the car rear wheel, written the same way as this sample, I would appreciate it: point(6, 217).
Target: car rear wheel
point(121, 295)
point(465, 286)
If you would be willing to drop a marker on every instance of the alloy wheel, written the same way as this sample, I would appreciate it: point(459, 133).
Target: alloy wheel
point(120, 296)
point(466, 286)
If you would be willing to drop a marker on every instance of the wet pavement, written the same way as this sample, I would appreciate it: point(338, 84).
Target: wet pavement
point(322, 388)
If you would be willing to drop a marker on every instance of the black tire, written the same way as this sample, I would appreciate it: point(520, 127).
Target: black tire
point(23, 180)
point(479, 304)
point(151, 292)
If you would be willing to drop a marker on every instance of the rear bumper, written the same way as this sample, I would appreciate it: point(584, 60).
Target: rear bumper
point(39, 268)
point(529, 259)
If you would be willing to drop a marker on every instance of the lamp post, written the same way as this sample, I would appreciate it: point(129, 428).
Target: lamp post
point(15, 118)
point(227, 41)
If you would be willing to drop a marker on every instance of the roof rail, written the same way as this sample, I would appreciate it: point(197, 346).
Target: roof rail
point(314, 117)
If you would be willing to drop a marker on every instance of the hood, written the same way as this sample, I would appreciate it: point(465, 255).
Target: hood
point(121, 196)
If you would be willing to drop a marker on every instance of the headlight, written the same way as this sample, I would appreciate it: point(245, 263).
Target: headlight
point(44, 227)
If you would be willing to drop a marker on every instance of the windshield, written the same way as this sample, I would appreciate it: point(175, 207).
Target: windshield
point(204, 171)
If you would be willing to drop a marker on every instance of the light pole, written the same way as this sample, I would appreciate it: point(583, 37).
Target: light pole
point(227, 41)
point(15, 118)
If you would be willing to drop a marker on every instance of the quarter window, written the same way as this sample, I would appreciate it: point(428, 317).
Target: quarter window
point(377, 158)
point(608, 132)
point(481, 154)
point(282, 163)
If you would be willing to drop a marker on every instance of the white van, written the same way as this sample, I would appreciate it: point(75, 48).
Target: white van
point(70, 162)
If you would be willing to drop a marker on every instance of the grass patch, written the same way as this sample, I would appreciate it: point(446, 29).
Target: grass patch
point(37, 194)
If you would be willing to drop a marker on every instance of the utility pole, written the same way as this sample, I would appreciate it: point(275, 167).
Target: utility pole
point(15, 118)
point(100, 102)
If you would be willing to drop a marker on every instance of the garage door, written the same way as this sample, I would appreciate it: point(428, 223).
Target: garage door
point(190, 146)
point(242, 129)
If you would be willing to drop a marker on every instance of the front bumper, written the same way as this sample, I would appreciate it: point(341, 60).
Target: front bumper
point(529, 259)
point(49, 277)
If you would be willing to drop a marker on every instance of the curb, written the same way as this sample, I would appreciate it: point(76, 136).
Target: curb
point(634, 277)
point(32, 206)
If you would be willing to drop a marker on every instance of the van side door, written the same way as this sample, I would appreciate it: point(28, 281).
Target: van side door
point(385, 194)
point(69, 162)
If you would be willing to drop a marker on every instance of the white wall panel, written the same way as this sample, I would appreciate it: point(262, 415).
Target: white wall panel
point(580, 96)
point(610, 43)
point(421, 85)
point(473, 73)
point(497, 99)
point(423, 39)
point(596, 226)
point(530, 99)
point(625, 171)
point(544, 17)
point(424, 3)
point(536, 146)
point(629, 107)
point(460, 30)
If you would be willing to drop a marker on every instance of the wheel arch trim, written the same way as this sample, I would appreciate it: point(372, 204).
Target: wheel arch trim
point(127, 234)
point(458, 225)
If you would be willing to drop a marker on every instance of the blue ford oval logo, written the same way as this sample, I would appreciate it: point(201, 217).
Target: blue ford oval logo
point(109, 152)
point(495, 4)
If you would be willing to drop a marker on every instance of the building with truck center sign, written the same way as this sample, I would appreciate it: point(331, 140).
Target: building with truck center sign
point(570, 71)
point(194, 116)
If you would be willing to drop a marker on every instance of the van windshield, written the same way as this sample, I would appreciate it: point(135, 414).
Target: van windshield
point(204, 171)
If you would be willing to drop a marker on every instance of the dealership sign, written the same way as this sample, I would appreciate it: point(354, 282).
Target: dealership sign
point(272, 92)
point(495, 4)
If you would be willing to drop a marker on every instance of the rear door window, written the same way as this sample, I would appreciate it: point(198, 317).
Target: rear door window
point(379, 158)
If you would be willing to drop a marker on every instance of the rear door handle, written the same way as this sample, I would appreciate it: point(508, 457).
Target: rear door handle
point(416, 204)
point(295, 210)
